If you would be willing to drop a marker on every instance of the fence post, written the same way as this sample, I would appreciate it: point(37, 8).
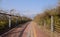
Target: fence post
point(9, 21)
point(44, 23)
point(16, 21)
point(52, 27)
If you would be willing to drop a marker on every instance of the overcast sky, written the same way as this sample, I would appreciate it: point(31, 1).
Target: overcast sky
point(28, 7)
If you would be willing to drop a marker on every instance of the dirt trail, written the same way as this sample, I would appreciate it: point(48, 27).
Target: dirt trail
point(31, 30)
point(15, 32)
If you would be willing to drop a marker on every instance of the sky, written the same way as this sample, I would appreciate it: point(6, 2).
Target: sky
point(28, 7)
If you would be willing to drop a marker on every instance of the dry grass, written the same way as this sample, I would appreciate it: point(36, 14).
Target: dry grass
point(48, 32)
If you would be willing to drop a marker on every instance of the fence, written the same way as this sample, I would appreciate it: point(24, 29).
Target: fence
point(53, 27)
point(8, 21)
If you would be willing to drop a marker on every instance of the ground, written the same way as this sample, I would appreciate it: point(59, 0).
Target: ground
point(30, 29)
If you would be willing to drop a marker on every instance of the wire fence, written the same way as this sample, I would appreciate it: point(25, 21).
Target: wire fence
point(51, 26)
point(9, 21)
